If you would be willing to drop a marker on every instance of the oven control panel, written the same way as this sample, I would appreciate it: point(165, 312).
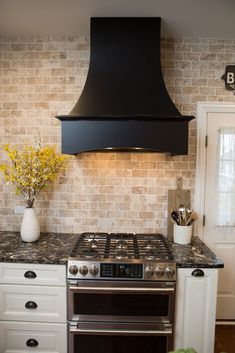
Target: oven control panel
point(149, 271)
point(115, 270)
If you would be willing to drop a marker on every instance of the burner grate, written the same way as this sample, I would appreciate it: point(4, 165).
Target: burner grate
point(89, 245)
point(154, 247)
point(122, 246)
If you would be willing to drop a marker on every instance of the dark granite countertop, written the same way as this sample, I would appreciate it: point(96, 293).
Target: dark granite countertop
point(53, 248)
point(196, 254)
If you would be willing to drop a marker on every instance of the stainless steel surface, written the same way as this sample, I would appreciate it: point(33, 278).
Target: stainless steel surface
point(154, 270)
point(121, 332)
point(93, 270)
point(120, 290)
point(94, 250)
point(170, 271)
point(110, 288)
point(159, 271)
point(94, 284)
point(83, 270)
point(182, 212)
point(134, 271)
point(73, 269)
point(120, 319)
point(149, 271)
point(113, 328)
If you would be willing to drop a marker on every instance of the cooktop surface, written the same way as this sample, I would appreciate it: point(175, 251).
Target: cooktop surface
point(121, 246)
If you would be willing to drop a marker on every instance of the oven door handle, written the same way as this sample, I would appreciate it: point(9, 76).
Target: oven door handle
point(82, 331)
point(127, 290)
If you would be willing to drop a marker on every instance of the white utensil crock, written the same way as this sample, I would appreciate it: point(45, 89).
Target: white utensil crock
point(182, 234)
point(30, 228)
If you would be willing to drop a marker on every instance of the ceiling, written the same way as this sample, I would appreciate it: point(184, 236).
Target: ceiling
point(205, 18)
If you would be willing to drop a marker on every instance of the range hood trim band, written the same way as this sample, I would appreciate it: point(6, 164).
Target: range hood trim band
point(171, 136)
point(122, 117)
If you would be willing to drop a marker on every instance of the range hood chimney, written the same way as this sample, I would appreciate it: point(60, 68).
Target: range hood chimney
point(124, 105)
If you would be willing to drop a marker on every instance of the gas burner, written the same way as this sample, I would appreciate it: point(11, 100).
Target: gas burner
point(149, 244)
point(122, 244)
point(121, 254)
point(90, 253)
point(152, 254)
point(93, 243)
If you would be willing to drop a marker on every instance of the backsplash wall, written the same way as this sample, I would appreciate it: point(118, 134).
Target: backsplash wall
point(41, 77)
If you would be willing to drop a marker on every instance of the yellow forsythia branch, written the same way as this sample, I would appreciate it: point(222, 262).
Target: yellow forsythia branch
point(32, 169)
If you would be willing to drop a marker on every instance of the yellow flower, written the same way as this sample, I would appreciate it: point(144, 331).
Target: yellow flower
point(32, 169)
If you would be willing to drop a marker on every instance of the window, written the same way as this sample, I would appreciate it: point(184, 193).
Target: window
point(225, 178)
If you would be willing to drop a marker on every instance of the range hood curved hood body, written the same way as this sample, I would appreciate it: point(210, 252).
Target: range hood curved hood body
point(124, 104)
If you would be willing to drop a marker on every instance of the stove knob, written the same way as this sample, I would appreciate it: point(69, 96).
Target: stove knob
point(149, 271)
point(170, 272)
point(83, 270)
point(93, 270)
point(73, 269)
point(159, 271)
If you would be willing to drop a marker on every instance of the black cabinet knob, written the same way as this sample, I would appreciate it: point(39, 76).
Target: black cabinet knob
point(31, 305)
point(31, 342)
point(198, 273)
point(30, 274)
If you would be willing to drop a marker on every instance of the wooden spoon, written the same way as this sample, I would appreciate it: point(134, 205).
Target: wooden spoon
point(192, 219)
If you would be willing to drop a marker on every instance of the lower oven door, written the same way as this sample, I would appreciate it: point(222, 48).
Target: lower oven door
point(87, 337)
point(103, 301)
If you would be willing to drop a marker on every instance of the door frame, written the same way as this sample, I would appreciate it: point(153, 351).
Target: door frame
point(202, 111)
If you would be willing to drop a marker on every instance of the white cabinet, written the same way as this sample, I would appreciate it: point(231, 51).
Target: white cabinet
point(25, 337)
point(35, 274)
point(196, 309)
point(32, 303)
point(32, 308)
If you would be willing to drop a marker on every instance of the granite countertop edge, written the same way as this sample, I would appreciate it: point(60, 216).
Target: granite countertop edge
point(194, 255)
point(51, 248)
point(54, 248)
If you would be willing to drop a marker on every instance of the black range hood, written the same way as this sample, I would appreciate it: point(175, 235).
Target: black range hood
point(124, 104)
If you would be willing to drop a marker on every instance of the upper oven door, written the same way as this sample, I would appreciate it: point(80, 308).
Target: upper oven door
point(121, 301)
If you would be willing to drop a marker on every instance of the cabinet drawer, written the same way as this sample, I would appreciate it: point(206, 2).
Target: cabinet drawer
point(32, 303)
point(32, 337)
point(48, 275)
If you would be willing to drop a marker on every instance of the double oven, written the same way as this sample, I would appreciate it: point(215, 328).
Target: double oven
point(120, 305)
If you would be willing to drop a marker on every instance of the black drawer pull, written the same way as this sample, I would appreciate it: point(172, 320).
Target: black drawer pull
point(198, 273)
point(31, 305)
point(30, 274)
point(31, 342)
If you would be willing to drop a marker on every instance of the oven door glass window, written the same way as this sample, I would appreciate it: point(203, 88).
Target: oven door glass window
point(119, 344)
point(121, 304)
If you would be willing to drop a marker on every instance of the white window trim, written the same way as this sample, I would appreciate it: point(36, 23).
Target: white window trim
point(202, 111)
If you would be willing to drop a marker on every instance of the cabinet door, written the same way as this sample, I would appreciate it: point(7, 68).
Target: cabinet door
point(33, 274)
point(30, 337)
point(196, 309)
point(32, 303)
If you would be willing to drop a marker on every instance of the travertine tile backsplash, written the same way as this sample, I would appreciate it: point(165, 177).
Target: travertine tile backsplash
point(44, 76)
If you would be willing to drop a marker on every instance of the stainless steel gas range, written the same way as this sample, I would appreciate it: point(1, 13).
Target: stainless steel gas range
point(121, 294)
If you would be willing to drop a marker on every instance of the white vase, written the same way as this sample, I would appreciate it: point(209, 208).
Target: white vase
point(30, 228)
